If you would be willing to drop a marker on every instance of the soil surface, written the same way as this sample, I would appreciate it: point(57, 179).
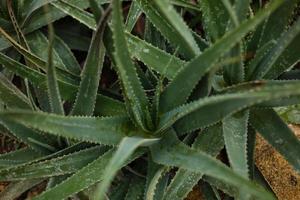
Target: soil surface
point(282, 178)
point(7, 144)
point(195, 194)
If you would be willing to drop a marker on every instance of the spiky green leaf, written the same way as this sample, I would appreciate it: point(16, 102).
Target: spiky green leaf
point(175, 95)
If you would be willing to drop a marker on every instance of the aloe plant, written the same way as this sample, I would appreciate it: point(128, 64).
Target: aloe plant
point(145, 113)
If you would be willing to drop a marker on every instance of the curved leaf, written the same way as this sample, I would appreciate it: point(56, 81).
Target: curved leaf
point(171, 152)
point(209, 141)
point(62, 74)
point(84, 178)
point(215, 18)
point(17, 157)
point(66, 164)
point(275, 53)
point(104, 105)
point(219, 106)
point(87, 92)
point(52, 85)
point(133, 15)
point(175, 95)
point(134, 94)
point(152, 185)
point(68, 58)
point(153, 57)
point(235, 130)
point(104, 130)
point(67, 7)
point(166, 19)
point(126, 148)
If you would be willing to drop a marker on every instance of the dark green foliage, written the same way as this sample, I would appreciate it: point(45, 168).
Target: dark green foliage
point(144, 112)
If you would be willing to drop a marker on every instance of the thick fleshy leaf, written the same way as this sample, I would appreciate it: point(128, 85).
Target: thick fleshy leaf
point(241, 9)
point(6, 24)
point(37, 41)
point(153, 57)
point(175, 95)
point(286, 60)
point(104, 104)
point(209, 141)
point(272, 27)
point(150, 193)
point(35, 77)
point(28, 155)
point(208, 94)
point(66, 164)
point(84, 178)
point(25, 52)
point(103, 130)
point(133, 15)
point(276, 52)
point(52, 85)
point(126, 148)
point(219, 106)
point(37, 61)
point(66, 7)
point(32, 5)
point(251, 139)
point(171, 152)
point(235, 130)
point(63, 58)
point(215, 18)
point(172, 27)
point(293, 100)
point(39, 18)
point(88, 88)
point(277, 22)
point(186, 4)
point(13, 14)
point(67, 56)
point(17, 157)
point(134, 94)
point(96, 10)
point(260, 54)
point(235, 73)
point(156, 180)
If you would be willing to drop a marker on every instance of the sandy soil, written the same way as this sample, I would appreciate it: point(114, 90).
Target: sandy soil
point(282, 178)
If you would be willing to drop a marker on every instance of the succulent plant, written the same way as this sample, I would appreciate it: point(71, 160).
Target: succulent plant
point(169, 99)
